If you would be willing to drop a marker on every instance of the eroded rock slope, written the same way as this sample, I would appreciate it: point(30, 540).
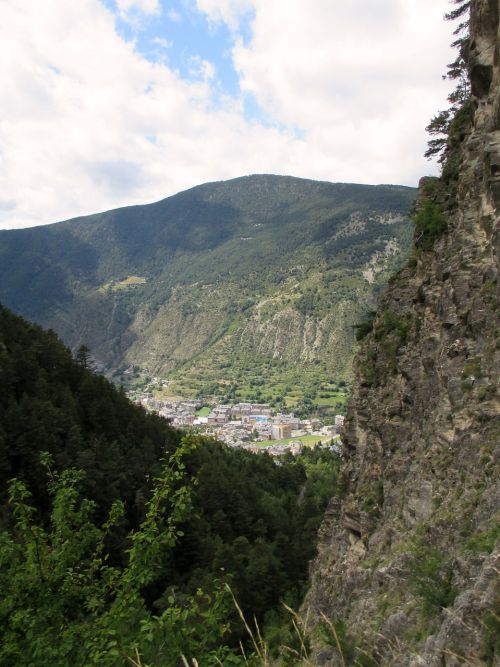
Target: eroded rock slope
point(408, 565)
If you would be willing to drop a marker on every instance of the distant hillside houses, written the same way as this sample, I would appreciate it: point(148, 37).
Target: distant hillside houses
point(180, 413)
point(294, 448)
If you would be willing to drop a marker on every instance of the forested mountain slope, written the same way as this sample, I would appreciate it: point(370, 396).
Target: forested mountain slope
point(51, 403)
point(118, 536)
point(408, 565)
point(220, 285)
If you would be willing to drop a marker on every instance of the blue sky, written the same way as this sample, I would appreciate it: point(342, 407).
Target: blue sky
point(180, 35)
point(116, 102)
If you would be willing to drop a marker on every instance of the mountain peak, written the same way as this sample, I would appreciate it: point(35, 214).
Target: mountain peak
point(265, 268)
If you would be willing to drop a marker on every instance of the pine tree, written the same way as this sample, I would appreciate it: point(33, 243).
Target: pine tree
point(440, 125)
point(82, 357)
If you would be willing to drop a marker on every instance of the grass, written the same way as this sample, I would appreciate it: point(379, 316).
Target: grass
point(331, 401)
point(307, 440)
point(431, 576)
point(485, 540)
point(130, 281)
point(203, 412)
point(240, 377)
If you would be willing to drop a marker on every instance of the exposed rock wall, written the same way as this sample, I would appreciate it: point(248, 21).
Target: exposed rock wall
point(408, 565)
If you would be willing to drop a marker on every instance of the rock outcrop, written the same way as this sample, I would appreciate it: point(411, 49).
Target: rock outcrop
point(408, 564)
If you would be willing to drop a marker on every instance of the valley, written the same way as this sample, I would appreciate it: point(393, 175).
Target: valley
point(281, 390)
point(178, 482)
point(239, 290)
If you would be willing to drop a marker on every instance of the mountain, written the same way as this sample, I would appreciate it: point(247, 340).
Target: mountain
point(51, 403)
point(407, 572)
point(246, 288)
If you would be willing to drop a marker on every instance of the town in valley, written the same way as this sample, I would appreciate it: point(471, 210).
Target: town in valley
point(257, 427)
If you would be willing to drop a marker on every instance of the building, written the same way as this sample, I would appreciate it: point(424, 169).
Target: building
point(281, 431)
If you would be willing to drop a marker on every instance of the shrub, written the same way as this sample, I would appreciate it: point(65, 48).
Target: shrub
point(484, 542)
point(390, 323)
point(491, 649)
point(348, 649)
point(365, 326)
point(430, 224)
point(431, 578)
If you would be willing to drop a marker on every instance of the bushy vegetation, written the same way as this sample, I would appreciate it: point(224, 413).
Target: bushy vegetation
point(447, 127)
point(119, 540)
point(447, 130)
point(365, 327)
point(430, 221)
point(49, 402)
point(64, 603)
point(346, 643)
point(378, 357)
point(389, 324)
point(485, 540)
point(431, 576)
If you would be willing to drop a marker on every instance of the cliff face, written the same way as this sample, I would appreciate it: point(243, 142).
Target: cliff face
point(408, 564)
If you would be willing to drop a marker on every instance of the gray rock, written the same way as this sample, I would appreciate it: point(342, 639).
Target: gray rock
point(415, 583)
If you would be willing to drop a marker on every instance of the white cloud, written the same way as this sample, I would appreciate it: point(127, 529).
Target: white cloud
point(200, 68)
point(162, 42)
point(88, 124)
point(227, 11)
point(174, 15)
point(362, 79)
point(144, 6)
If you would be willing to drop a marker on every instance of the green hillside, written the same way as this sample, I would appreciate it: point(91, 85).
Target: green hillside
point(246, 288)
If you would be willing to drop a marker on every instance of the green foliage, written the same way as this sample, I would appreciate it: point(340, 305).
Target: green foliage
point(247, 375)
point(483, 541)
point(373, 501)
point(337, 635)
point(491, 650)
point(49, 402)
point(378, 357)
point(472, 367)
point(458, 126)
point(82, 356)
point(365, 327)
point(367, 364)
point(111, 556)
point(247, 520)
point(348, 649)
point(431, 577)
point(389, 324)
point(446, 125)
point(63, 603)
point(430, 223)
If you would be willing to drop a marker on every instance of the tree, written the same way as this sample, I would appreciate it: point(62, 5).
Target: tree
point(64, 603)
point(441, 124)
point(82, 357)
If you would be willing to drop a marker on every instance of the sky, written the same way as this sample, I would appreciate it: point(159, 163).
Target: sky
point(107, 103)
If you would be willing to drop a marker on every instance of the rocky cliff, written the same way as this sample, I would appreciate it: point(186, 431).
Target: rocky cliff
point(408, 563)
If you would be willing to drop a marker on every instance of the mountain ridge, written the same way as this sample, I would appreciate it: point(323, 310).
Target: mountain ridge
point(212, 273)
